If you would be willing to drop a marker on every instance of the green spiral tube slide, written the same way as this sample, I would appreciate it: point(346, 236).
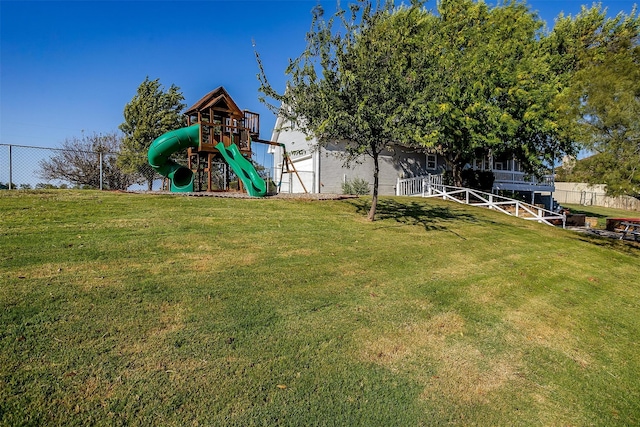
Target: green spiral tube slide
point(255, 185)
point(162, 147)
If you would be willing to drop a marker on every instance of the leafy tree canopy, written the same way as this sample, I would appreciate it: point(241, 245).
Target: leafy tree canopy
point(151, 113)
point(483, 86)
point(343, 89)
point(602, 94)
point(465, 81)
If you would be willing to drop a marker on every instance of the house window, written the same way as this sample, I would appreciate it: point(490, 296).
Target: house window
point(431, 161)
point(498, 166)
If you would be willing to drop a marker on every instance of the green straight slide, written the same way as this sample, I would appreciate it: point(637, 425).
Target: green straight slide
point(164, 146)
point(252, 181)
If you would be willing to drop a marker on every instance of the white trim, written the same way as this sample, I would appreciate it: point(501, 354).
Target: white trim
point(275, 134)
point(434, 161)
point(301, 158)
point(316, 167)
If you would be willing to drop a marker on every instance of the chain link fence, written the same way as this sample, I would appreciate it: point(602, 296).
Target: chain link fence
point(29, 167)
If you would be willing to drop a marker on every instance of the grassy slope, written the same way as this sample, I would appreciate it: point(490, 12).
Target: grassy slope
point(162, 310)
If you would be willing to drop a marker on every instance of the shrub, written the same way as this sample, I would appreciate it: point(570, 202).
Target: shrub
point(358, 186)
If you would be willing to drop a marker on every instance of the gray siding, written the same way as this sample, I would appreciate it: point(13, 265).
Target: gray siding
point(399, 163)
point(326, 169)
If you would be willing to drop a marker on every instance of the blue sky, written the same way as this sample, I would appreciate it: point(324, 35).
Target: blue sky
point(69, 67)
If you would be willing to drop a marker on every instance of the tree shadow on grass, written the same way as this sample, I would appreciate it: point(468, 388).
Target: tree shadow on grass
point(624, 246)
point(587, 213)
point(407, 212)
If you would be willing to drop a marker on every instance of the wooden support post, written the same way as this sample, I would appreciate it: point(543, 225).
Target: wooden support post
point(295, 171)
point(209, 171)
point(286, 162)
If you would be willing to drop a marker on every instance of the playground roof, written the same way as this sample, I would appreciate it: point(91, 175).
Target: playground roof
point(213, 98)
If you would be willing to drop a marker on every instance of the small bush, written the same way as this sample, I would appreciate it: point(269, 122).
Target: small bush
point(358, 186)
point(272, 187)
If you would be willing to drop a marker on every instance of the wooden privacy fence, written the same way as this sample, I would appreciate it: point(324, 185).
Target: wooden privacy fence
point(592, 195)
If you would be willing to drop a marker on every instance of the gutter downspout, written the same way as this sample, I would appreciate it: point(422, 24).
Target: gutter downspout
point(316, 167)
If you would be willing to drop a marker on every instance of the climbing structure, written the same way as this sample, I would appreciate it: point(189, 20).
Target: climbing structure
point(221, 122)
point(218, 142)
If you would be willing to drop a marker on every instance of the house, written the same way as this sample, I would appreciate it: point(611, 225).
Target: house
point(322, 170)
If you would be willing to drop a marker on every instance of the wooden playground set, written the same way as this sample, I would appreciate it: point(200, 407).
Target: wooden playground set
point(218, 139)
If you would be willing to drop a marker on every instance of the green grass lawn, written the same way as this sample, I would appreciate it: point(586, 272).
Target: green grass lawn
point(129, 309)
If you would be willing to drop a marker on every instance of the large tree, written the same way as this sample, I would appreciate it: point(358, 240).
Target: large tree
point(599, 60)
point(484, 86)
point(345, 88)
point(78, 162)
point(465, 82)
point(151, 113)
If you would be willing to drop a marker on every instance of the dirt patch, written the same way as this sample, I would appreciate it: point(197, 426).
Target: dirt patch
point(435, 353)
point(543, 325)
point(411, 339)
point(170, 320)
point(467, 375)
point(313, 196)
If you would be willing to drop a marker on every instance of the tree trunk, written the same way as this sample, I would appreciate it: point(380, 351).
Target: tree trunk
point(150, 184)
point(374, 199)
point(456, 173)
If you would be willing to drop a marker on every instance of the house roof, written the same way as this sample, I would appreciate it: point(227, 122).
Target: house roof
point(217, 97)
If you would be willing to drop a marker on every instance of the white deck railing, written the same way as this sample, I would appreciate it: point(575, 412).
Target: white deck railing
point(414, 186)
point(510, 177)
point(492, 201)
point(417, 185)
point(431, 186)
